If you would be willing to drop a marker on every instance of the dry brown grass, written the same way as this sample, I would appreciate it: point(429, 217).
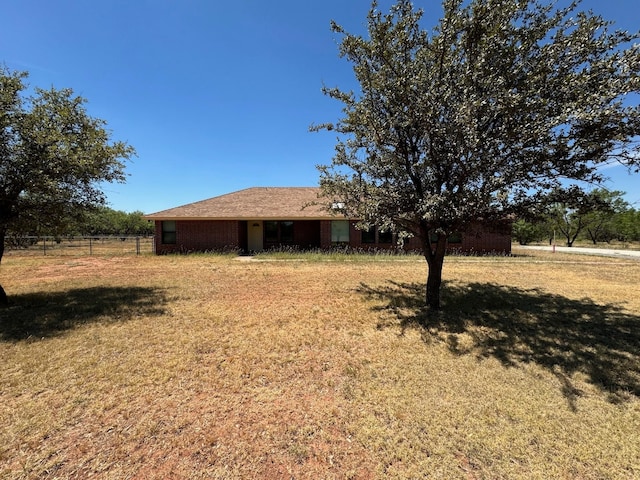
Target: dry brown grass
point(210, 367)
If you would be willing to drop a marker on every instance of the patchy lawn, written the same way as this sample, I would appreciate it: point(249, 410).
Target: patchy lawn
point(209, 367)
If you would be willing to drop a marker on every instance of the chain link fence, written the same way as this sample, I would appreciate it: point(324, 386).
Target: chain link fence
point(85, 245)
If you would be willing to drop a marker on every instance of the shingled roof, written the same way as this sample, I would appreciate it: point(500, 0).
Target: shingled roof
point(269, 203)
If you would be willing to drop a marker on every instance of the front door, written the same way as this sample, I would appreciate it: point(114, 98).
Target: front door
point(255, 236)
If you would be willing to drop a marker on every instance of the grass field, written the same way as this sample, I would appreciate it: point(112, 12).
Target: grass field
point(207, 366)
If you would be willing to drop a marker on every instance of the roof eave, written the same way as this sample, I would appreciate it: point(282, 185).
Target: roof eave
point(250, 218)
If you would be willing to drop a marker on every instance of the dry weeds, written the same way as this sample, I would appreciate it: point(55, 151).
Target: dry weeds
point(208, 367)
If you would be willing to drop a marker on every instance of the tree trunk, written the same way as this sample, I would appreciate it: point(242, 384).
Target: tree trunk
point(435, 260)
point(578, 229)
point(3, 234)
point(572, 239)
point(434, 281)
point(3, 295)
point(3, 298)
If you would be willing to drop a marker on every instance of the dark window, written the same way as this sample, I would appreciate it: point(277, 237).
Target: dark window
point(169, 232)
point(286, 232)
point(271, 232)
point(373, 235)
point(277, 233)
point(369, 236)
point(385, 237)
point(455, 237)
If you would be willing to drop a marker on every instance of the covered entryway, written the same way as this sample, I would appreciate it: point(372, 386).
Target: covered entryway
point(260, 235)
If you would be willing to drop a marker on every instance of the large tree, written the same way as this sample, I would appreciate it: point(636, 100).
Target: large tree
point(575, 214)
point(53, 155)
point(606, 206)
point(503, 102)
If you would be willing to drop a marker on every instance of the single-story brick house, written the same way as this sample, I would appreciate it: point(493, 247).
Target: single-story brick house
point(262, 218)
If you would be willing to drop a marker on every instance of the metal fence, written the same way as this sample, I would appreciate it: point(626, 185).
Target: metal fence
point(72, 246)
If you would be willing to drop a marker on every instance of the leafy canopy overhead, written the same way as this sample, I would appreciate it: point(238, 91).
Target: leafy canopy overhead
point(503, 103)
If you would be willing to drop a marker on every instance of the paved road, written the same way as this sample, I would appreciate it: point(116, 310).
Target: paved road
point(606, 252)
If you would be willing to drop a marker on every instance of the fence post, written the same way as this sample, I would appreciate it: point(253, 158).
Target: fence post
point(44, 246)
point(137, 245)
point(90, 246)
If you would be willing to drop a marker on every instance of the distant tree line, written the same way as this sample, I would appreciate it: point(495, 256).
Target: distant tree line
point(598, 216)
point(98, 221)
point(106, 221)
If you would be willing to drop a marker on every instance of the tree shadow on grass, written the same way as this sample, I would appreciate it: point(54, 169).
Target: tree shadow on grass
point(565, 336)
point(44, 315)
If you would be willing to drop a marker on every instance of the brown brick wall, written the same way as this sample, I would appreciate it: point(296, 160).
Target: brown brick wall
point(306, 233)
point(200, 235)
point(487, 239)
point(325, 234)
point(197, 235)
point(485, 242)
point(478, 240)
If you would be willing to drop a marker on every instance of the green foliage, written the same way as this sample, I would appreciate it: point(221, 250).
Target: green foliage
point(53, 157)
point(599, 216)
point(591, 215)
point(526, 232)
point(626, 225)
point(600, 220)
point(106, 221)
point(498, 106)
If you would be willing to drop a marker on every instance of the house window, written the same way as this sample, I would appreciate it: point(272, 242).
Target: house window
point(374, 235)
point(339, 231)
point(369, 236)
point(271, 232)
point(276, 233)
point(455, 237)
point(286, 232)
point(168, 232)
point(385, 237)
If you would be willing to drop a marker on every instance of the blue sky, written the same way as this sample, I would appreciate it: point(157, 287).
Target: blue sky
point(215, 96)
